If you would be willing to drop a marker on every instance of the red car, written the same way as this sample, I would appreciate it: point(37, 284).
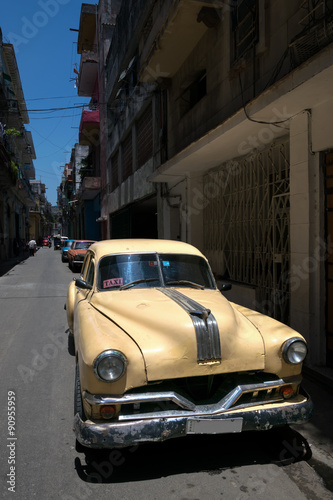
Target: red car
point(46, 242)
point(77, 252)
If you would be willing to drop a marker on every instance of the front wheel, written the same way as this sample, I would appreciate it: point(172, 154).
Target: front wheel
point(78, 405)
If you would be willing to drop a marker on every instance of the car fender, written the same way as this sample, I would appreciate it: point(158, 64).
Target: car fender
point(274, 334)
point(70, 301)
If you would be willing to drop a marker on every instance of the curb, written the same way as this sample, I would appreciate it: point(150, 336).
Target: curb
point(319, 377)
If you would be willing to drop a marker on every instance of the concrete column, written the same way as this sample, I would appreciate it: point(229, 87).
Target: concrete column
point(305, 252)
point(299, 224)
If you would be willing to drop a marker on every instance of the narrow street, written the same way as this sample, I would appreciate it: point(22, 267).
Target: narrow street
point(39, 458)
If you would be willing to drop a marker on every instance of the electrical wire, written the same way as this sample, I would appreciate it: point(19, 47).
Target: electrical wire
point(263, 122)
point(47, 98)
point(50, 110)
point(51, 117)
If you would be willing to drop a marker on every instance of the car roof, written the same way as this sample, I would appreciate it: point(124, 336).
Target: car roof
point(137, 245)
point(84, 241)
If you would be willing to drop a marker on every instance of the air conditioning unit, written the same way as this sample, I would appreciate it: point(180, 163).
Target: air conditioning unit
point(311, 41)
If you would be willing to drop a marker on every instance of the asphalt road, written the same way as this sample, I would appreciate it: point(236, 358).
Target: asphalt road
point(38, 459)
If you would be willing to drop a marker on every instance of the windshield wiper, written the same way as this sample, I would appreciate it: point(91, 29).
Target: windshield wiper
point(185, 282)
point(137, 282)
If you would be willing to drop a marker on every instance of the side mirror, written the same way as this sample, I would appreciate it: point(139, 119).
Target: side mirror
point(225, 287)
point(82, 284)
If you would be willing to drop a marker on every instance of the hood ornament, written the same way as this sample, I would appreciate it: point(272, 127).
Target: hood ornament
point(203, 314)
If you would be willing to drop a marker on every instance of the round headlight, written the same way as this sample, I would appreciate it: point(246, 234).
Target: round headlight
point(294, 351)
point(110, 366)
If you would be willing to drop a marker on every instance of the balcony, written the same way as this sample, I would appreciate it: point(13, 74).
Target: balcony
point(25, 192)
point(176, 33)
point(88, 73)
point(90, 187)
point(89, 128)
point(87, 28)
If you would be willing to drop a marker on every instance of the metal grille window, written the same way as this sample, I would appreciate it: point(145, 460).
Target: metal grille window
point(246, 225)
point(114, 171)
point(127, 157)
point(194, 93)
point(316, 19)
point(313, 11)
point(145, 137)
point(245, 26)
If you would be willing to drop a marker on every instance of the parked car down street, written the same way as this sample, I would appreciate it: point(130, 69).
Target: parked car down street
point(161, 353)
point(64, 250)
point(56, 243)
point(77, 252)
point(63, 239)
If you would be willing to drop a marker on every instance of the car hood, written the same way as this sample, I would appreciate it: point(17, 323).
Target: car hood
point(177, 337)
point(78, 251)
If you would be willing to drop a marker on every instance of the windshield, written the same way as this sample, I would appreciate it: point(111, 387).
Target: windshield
point(117, 272)
point(68, 244)
point(82, 245)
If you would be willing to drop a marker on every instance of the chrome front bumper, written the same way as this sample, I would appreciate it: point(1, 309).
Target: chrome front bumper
point(140, 429)
point(78, 261)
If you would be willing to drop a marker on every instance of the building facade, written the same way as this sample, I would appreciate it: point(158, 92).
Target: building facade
point(16, 158)
point(215, 129)
point(248, 170)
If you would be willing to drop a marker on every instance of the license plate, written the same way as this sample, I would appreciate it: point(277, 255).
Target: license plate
point(213, 426)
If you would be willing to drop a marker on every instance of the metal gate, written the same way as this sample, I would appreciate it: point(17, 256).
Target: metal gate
point(246, 225)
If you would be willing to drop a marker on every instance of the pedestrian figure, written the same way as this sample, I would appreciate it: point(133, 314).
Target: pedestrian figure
point(32, 247)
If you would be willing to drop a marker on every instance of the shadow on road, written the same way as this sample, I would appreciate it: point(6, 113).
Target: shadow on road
point(7, 265)
point(211, 454)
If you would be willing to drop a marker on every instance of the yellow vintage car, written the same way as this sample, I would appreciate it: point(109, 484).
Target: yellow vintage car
point(161, 353)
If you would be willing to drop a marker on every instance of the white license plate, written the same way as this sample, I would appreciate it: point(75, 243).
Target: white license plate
point(213, 426)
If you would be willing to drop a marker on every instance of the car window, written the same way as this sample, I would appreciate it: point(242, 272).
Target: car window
point(90, 272)
point(151, 270)
point(116, 271)
point(186, 268)
point(82, 245)
point(85, 266)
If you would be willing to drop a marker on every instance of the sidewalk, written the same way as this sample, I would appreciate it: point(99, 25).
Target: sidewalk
point(318, 432)
point(7, 265)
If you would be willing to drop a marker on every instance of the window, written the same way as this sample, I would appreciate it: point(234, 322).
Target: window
point(85, 266)
point(117, 271)
point(82, 245)
point(114, 171)
point(194, 92)
point(153, 270)
point(179, 269)
point(145, 137)
point(90, 273)
point(127, 157)
point(244, 15)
